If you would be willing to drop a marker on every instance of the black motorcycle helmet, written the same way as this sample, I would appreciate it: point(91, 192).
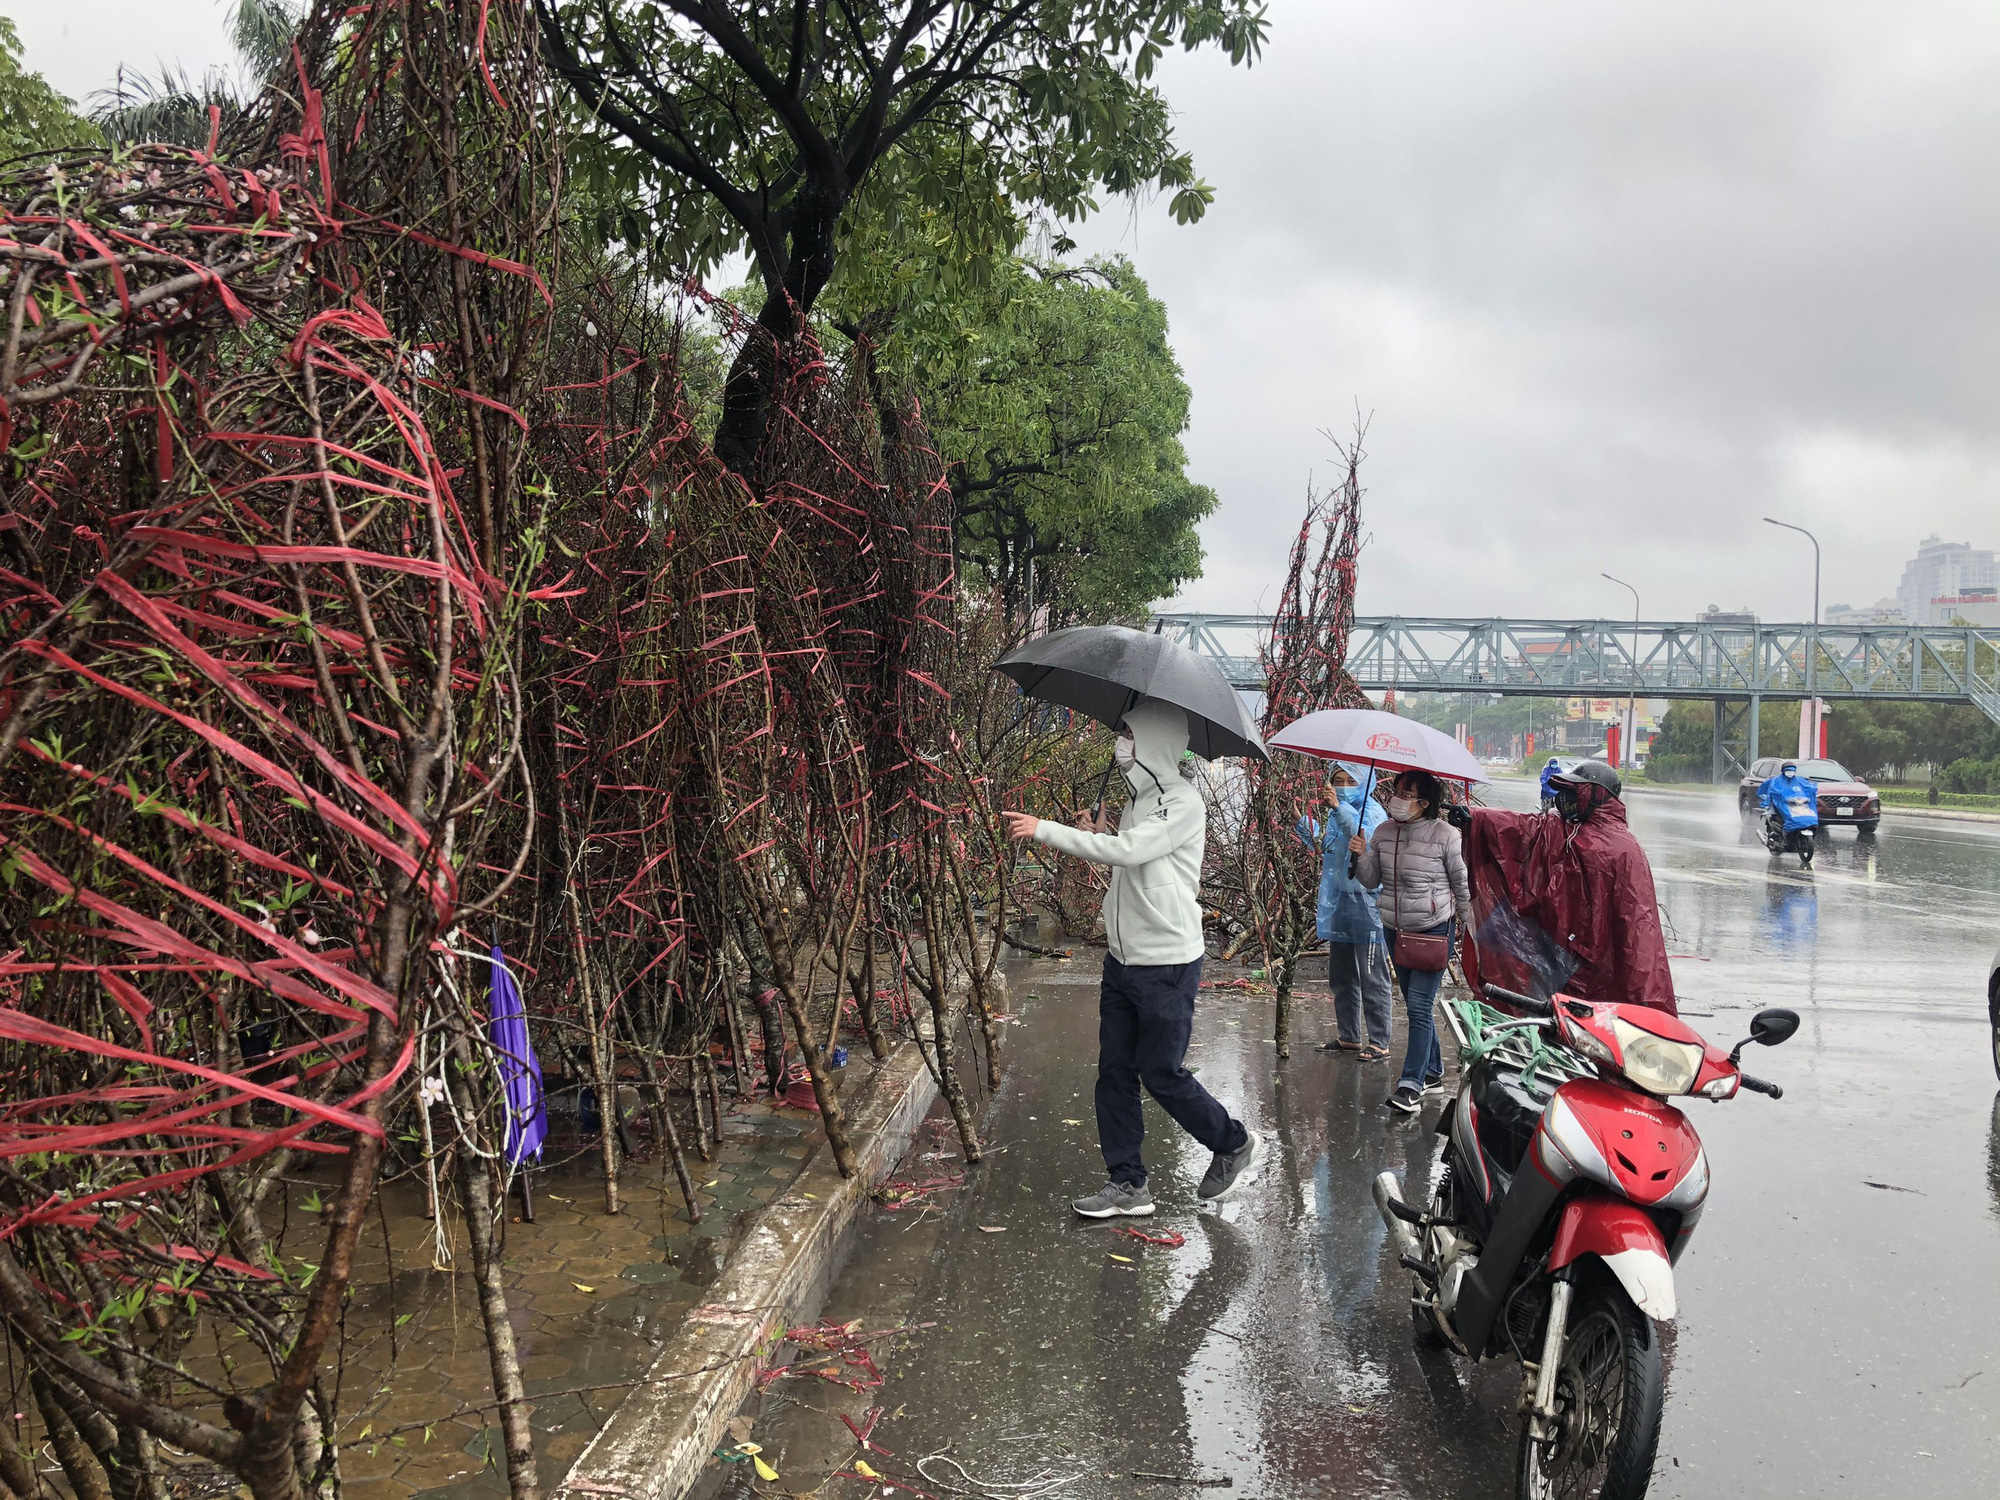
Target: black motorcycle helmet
point(1586, 786)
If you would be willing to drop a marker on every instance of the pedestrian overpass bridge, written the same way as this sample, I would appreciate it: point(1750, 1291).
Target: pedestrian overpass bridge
point(1734, 666)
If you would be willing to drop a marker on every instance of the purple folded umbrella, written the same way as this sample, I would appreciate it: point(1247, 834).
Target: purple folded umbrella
point(520, 1069)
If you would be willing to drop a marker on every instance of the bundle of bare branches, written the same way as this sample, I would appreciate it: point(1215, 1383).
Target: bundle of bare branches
point(106, 262)
point(1263, 873)
point(258, 707)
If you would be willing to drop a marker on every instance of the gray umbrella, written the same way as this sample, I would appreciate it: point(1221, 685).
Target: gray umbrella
point(1103, 670)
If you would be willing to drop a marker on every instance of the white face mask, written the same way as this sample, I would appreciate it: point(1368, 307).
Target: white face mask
point(1402, 809)
point(1121, 752)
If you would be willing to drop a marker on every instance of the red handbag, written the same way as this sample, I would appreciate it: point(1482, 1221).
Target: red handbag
point(1425, 952)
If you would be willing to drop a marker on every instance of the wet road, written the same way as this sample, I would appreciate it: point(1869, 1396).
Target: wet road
point(1837, 1338)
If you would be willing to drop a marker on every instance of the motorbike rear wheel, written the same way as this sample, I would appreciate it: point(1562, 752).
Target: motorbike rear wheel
point(1609, 1393)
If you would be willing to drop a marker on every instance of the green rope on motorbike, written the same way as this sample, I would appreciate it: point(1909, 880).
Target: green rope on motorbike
point(1538, 1053)
point(1482, 1041)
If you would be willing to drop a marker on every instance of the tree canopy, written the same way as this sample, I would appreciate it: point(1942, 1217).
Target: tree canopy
point(1059, 405)
point(33, 116)
point(719, 126)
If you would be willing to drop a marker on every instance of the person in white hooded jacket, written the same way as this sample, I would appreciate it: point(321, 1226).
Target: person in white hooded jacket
point(1152, 972)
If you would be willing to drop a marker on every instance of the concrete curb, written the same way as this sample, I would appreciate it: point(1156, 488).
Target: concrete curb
point(1946, 814)
point(656, 1442)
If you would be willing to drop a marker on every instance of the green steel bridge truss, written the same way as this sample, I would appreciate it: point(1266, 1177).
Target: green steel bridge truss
point(1734, 666)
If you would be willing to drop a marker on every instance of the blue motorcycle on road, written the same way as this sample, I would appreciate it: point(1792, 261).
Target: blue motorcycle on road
point(1791, 817)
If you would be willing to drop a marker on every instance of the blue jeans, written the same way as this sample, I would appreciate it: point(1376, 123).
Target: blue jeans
point(1424, 1059)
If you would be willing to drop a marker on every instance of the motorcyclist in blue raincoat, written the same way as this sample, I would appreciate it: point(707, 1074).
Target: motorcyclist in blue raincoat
point(1357, 960)
point(1549, 773)
point(1790, 829)
point(1780, 791)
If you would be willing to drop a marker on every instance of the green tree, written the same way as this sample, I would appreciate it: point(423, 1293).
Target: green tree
point(33, 116)
point(1684, 748)
point(1870, 739)
point(773, 126)
point(1490, 716)
point(1059, 405)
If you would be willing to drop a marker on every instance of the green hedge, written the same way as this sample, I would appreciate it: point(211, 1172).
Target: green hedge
point(1678, 767)
point(1916, 796)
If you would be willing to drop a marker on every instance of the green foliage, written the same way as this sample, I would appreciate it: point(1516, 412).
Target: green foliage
point(33, 116)
point(1683, 750)
point(1678, 766)
point(1056, 398)
point(1489, 717)
point(1872, 739)
point(174, 107)
point(1968, 774)
point(780, 127)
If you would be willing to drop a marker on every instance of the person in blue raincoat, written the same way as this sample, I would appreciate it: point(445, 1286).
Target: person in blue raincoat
point(1779, 791)
point(1549, 773)
point(1364, 997)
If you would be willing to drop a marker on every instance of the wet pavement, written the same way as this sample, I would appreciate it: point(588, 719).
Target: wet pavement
point(1840, 1328)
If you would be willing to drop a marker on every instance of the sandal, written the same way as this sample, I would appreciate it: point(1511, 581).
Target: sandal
point(1373, 1054)
point(1341, 1045)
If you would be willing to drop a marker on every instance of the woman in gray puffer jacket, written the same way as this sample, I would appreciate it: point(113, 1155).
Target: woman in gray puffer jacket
point(1417, 860)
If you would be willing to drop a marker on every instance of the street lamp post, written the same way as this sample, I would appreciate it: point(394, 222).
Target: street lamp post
point(1812, 636)
point(1631, 702)
point(1769, 521)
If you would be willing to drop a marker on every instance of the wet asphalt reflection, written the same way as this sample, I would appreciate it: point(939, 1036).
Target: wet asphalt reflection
point(1840, 1328)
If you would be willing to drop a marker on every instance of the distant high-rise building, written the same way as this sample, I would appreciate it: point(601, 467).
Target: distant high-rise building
point(1943, 578)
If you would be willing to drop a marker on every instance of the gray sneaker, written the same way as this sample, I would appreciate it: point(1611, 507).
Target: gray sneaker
point(1225, 1170)
point(1116, 1198)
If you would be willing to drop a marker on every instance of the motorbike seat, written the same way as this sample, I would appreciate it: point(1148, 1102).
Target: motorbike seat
point(1508, 1114)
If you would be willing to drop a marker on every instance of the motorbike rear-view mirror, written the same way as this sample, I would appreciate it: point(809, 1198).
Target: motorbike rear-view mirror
point(1768, 1028)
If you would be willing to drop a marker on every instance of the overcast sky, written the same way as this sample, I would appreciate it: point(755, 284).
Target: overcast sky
point(1614, 280)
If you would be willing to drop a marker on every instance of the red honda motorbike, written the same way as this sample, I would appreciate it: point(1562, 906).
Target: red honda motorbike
point(1570, 1188)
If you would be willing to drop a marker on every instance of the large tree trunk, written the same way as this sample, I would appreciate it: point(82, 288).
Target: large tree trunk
point(746, 396)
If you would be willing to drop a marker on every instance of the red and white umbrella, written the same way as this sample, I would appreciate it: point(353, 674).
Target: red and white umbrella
point(1370, 737)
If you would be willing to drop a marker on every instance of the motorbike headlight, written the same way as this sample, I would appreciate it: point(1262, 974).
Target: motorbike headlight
point(1657, 1065)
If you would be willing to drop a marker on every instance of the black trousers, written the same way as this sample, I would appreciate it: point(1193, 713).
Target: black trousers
point(1145, 1014)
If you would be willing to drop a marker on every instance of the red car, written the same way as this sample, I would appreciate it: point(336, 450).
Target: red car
point(1844, 800)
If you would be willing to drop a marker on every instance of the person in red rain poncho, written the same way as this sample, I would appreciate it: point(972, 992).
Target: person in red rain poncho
point(1564, 901)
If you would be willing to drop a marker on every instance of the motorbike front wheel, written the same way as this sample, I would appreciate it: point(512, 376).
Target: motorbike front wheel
point(1609, 1393)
